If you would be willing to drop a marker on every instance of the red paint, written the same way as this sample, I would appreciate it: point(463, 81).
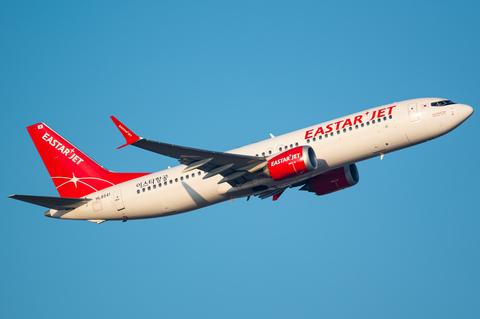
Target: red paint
point(130, 137)
point(319, 131)
point(329, 128)
point(72, 171)
point(277, 196)
point(347, 122)
point(332, 181)
point(338, 125)
point(358, 119)
point(381, 112)
point(308, 134)
point(291, 163)
point(390, 108)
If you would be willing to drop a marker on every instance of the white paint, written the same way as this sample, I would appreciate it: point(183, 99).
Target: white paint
point(406, 128)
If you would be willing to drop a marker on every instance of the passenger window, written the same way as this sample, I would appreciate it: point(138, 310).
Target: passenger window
point(269, 152)
point(390, 117)
point(165, 183)
point(385, 118)
point(356, 126)
point(379, 120)
point(280, 149)
point(181, 178)
point(199, 173)
point(344, 130)
point(368, 123)
point(363, 125)
point(187, 176)
point(331, 134)
point(373, 122)
point(350, 128)
point(154, 186)
point(193, 174)
point(263, 153)
point(138, 191)
point(314, 139)
point(320, 137)
point(338, 132)
point(143, 190)
point(291, 145)
point(296, 144)
point(308, 141)
point(176, 180)
point(326, 135)
point(149, 188)
point(171, 182)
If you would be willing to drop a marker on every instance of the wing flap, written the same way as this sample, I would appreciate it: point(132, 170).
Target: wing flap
point(277, 192)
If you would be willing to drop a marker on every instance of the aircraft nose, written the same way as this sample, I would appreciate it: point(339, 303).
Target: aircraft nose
point(464, 111)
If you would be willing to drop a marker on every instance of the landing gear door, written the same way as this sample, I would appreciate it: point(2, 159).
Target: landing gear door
point(117, 198)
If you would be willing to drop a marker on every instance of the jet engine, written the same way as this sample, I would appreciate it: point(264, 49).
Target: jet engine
point(291, 163)
point(332, 181)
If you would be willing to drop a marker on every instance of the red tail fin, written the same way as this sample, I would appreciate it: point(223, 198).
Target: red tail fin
point(73, 173)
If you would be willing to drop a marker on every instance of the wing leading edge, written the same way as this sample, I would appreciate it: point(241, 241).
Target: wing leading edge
point(236, 169)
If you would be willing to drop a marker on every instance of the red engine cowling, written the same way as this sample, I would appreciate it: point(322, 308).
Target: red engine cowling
point(291, 163)
point(332, 181)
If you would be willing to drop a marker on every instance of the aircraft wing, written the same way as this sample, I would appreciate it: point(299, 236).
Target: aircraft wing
point(236, 169)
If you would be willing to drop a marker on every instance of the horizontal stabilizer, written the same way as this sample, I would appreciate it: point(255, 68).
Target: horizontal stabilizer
point(57, 203)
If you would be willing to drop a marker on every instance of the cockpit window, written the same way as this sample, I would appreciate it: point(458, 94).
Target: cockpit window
point(442, 103)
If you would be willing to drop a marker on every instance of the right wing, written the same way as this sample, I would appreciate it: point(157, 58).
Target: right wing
point(236, 169)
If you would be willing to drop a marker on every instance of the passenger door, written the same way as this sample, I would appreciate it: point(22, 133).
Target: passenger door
point(413, 112)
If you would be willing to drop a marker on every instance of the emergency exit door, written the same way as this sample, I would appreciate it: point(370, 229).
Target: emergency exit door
point(117, 198)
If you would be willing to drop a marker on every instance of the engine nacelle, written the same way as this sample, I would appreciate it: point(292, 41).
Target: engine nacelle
point(293, 162)
point(332, 181)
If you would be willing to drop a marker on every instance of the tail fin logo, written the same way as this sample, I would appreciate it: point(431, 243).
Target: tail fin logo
point(76, 180)
point(69, 153)
point(72, 171)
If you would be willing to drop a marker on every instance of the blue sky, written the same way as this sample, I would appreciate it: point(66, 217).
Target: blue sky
point(402, 243)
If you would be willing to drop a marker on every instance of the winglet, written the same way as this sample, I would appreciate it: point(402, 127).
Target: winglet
point(130, 137)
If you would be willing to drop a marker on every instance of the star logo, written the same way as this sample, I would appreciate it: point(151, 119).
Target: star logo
point(74, 180)
point(87, 181)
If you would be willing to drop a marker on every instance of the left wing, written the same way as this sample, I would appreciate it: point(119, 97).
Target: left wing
point(236, 169)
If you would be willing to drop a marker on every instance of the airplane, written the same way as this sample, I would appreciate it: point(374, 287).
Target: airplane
point(319, 159)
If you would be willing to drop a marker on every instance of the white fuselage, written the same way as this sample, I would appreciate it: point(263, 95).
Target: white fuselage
point(336, 143)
